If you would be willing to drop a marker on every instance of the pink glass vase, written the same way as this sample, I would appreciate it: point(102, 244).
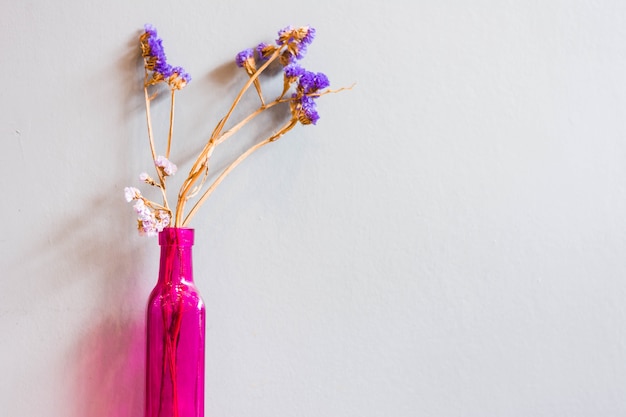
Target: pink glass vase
point(175, 333)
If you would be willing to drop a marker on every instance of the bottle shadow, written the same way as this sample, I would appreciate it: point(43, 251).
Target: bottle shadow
point(106, 360)
point(109, 370)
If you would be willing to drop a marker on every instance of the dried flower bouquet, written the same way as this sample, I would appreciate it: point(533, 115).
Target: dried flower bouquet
point(299, 94)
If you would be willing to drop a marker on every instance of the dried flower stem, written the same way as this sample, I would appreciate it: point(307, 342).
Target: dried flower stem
point(286, 127)
point(225, 136)
point(152, 147)
point(251, 80)
point(171, 132)
point(201, 163)
point(216, 141)
point(244, 121)
point(257, 85)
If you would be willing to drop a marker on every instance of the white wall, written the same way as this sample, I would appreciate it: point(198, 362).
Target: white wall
point(448, 241)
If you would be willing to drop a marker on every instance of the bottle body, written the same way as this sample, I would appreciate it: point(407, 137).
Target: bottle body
point(175, 333)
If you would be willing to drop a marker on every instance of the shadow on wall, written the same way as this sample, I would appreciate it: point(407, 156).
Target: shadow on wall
point(109, 368)
point(81, 285)
point(88, 287)
point(107, 359)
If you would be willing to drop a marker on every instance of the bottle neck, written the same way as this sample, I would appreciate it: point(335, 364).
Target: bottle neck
point(176, 258)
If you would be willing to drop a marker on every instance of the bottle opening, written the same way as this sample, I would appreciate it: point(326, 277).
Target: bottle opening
point(179, 236)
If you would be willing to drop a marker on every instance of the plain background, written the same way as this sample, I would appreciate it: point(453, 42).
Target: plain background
point(448, 241)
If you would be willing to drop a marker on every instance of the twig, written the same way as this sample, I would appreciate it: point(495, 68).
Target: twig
point(288, 126)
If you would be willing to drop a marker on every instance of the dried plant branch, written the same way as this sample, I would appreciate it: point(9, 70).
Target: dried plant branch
point(153, 148)
point(305, 86)
point(171, 131)
point(288, 126)
point(197, 168)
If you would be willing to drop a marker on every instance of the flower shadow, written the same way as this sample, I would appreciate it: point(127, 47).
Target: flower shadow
point(83, 280)
point(108, 356)
point(106, 360)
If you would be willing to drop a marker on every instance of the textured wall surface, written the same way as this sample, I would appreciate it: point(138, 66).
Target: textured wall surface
point(448, 240)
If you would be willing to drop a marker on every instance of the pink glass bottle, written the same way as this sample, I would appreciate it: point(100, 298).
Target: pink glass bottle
point(175, 333)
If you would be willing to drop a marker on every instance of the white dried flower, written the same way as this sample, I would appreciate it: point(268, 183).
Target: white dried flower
point(168, 167)
point(147, 179)
point(131, 193)
point(150, 222)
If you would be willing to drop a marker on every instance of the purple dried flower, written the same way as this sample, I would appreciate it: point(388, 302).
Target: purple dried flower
point(294, 71)
point(300, 52)
point(321, 81)
point(152, 50)
point(311, 82)
point(178, 78)
point(308, 109)
point(284, 35)
point(307, 82)
point(260, 48)
point(312, 116)
point(163, 68)
point(297, 40)
point(244, 56)
point(156, 61)
point(150, 30)
point(310, 35)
